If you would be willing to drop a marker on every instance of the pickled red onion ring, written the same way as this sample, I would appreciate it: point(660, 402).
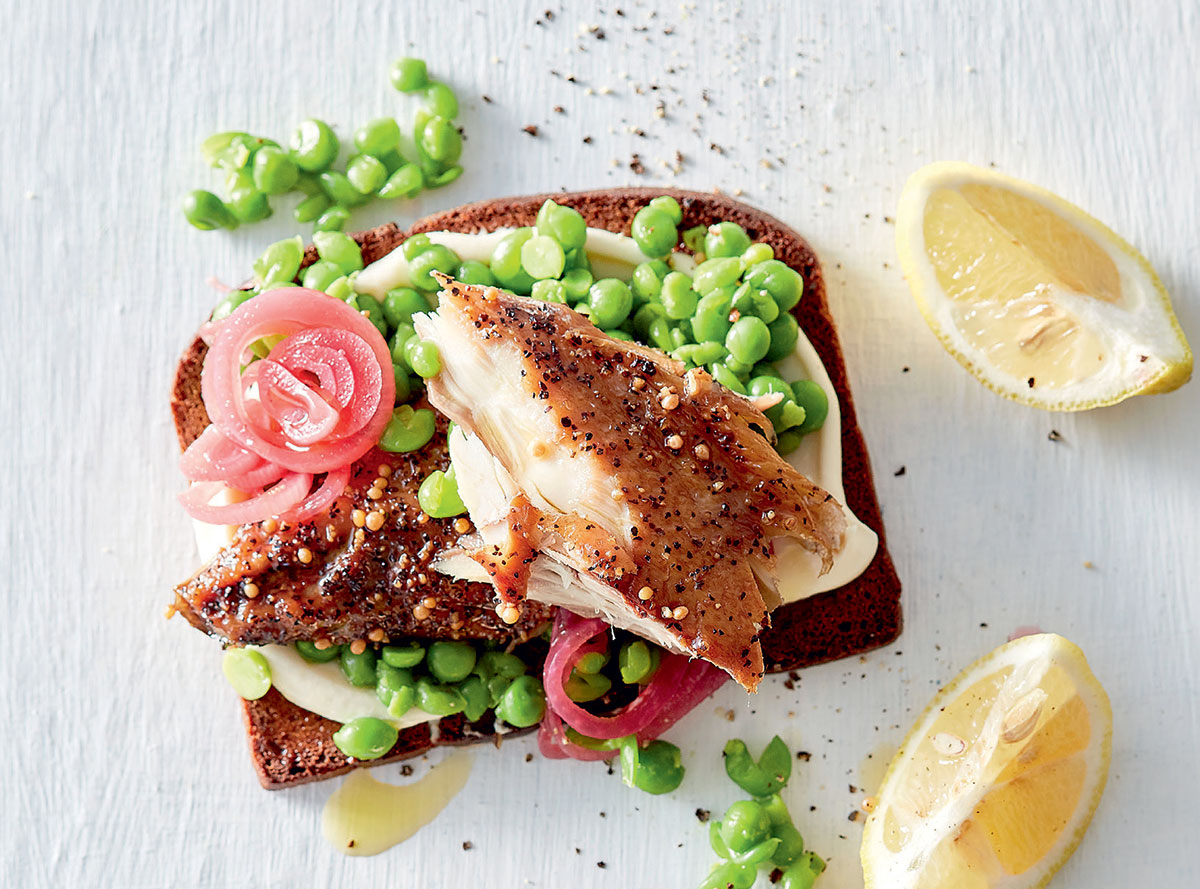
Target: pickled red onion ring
point(316, 502)
point(554, 743)
point(293, 313)
point(213, 457)
point(285, 495)
point(304, 417)
point(257, 479)
point(660, 703)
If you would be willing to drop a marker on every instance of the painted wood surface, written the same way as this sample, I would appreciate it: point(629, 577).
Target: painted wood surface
point(124, 758)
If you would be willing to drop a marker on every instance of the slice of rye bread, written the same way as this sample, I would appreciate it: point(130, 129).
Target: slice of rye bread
point(292, 746)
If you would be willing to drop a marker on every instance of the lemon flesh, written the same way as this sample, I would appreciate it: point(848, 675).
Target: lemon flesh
point(1037, 299)
point(998, 781)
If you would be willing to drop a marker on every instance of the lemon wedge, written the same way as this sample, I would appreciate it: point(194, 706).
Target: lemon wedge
point(997, 782)
point(1041, 302)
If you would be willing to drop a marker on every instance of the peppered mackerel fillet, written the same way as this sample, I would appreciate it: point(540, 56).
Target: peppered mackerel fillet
point(603, 478)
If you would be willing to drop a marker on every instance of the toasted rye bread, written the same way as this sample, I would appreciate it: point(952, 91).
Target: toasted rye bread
point(291, 746)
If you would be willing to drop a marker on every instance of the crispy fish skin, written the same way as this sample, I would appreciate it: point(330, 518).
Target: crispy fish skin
point(334, 580)
point(654, 482)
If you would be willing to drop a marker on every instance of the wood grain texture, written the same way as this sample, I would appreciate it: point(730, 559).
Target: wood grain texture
point(124, 765)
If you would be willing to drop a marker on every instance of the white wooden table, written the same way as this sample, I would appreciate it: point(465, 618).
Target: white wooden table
point(124, 761)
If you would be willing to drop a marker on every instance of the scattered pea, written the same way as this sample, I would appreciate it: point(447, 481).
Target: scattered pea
point(785, 332)
point(409, 75)
point(647, 279)
point(206, 211)
point(274, 171)
point(408, 430)
point(332, 220)
point(441, 100)
point(441, 140)
point(340, 288)
point(788, 441)
point(506, 261)
point(764, 777)
point(309, 209)
point(710, 322)
point(339, 249)
point(637, 661)
point(377, 137)
point(693, 238)
point(415, 245)
point(366, 738)
point(582, 687)
point(756, 253)
point(248, 672)
point(406, 182)
point(727, 378)
point(401, 303)
point(446, 176)
point(366, 173)
point(313, 145)
point(577, 282)
point(340, 189)
point(656, 768)
point(280, 262)
point(391, 680)
point(214, 148)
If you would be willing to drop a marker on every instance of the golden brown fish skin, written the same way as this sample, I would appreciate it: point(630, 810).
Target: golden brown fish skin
point(705, 490)
point(331, 579)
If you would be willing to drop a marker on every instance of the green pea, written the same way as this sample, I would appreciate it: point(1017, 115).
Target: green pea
point(810, 396)
point(618, 334)
point(668, 205)
point(577, 258)
point(656, 768)
point(659, 334)
point(500, 663)
point(476, 697)
point(406, 182)
point(748, 339)
point(415, 246)
point(409, 75)
point(744, 825)
point(727, 378)
point(377, 137)
point(739, 368)
point(403, 656)
point(523, 703)
point(340, 189)
point(542, 257)
point(446, 176)
point(710, 322)
point(342, 250)
point(279, 262)
point(441, 140)
point(425, 360)
point(803, 873)
point(778, 279)
point(791, 844)
point(549, 291)
point(637, 661)
point(248, 672)
point(693, 238)
point(332, 220)
point(341, 288)
point(214, 148)
point(404, 386)
point(756, 253)
point(584, 687)
point(506, 261)
point(654, 232)
point(407, 430)
point(564, 224)
point(400, 336)
point(645, 316)
point(708, 352)
point(274, 171)
point(441, 101)
point(610, 300)
point(678, 297)
point(766, 384)
point(366, 173)
point(758, 303)
point(472, 271)
point(647, 282)
point(366, 738)
point(762, 778)
point(450, 661)
point(229, 304)
point(439, 700)
point(309, 209)
point(401, 303)
point(439, 497)
point(359, 669)
point(372, 308)
point(308, 184)
point(789, 415)
point(577, 282)
point(206, 211)
point(395, 688)
point(714, 273)
point(786, 442)
point(312, 654)
point(313, 146)
point(246, 203)
point(725, 239)
point(435, 258)
point(785, 332)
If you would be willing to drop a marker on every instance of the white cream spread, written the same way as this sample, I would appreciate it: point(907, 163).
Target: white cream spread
point(322, 689)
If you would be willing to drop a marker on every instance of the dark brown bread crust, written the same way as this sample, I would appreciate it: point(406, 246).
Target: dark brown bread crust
point(292, 746)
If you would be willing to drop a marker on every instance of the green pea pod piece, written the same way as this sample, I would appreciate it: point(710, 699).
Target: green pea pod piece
point(656, 768)
point(314, 655)
point(475, 693)
point(248, 672)
point(408, 430)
